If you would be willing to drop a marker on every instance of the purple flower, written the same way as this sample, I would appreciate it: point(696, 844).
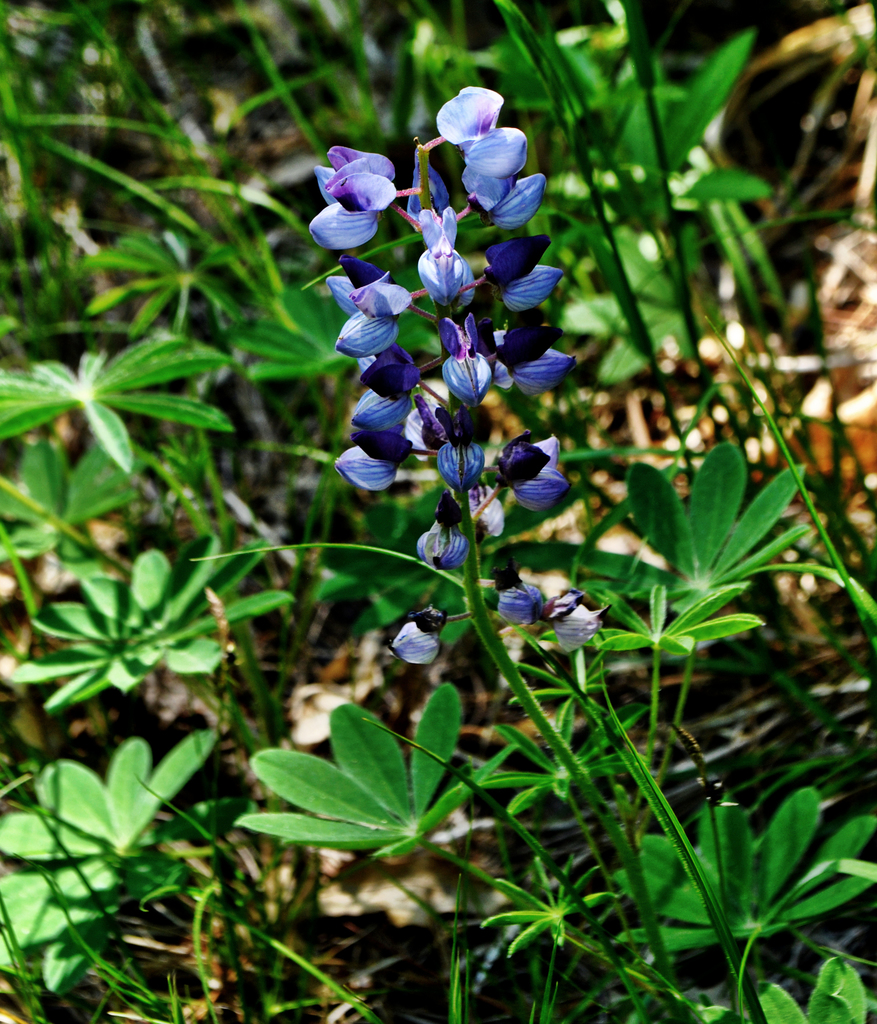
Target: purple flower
point(515, 271)
point(467, 373)
point(390, 379)
point(488, 339)
point(468, 121)
point(531, 472)
point(506, 202)
point(491, 522)
point(519, 603)
point(444, 546)
point(438, 191)
point(533, 365)
point(573, 624)
point(459, 461)
point(376, 412)
point(441, 268)
point(377, 302)
point(358, 187)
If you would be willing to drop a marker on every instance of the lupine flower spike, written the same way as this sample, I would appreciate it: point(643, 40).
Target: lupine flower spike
point(469, 122)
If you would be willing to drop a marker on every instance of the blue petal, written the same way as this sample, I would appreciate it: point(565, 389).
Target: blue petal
point(527, 292)
point(443, 547)
point(520, 606)
point(488, 192)
point(376, 163)
point(337, 228)
point(361, 336)
point(373, 412)
point(499, 154)
point(437, 190)
point(520, 204)
point(501, 376)
point(448, 465)
point(361, 470)
point(441, 277)
point(544, 373)
point(468, 379)
point(468, 278)
point(381, 298)
point(414, 646)
point(323, 174)
point(469, 115)
point(340, 286)
point(359, 192)
point(544, 491)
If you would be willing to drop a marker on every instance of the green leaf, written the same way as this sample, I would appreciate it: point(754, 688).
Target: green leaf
point(768, 505)
point(151, 873)
point(65, 963)
point(828, 899)
point(783, 844)
point(149, 579)
point(725, 625)
point(191, 656)
point(657, 610)
point(79, 688)
point(660, 516)
point(301, 828)
point(368, 754)
point(179, 765)
point(735, 841)
point(153, 306)
point(130, 767)
point(521, 742)
point(717, 598)
point(437, 731)
point(670, 888)
point(77, 797)
point(774, 548)
point(72, 621)
point(29, 836)
point(678, 645)
point(706, 92)
point(257, 604)
point(315, 785)
point(779, 1007)
point(42, 475)
point(69, 662)
point(96, 486)
point(620, 640)
point(716, 496)
point(849, 840)
point(728, 183)
point(110, 433)
point(156, 362)
point(37, 917)
point(839, 996)
point(171, 407)
point(190, 577)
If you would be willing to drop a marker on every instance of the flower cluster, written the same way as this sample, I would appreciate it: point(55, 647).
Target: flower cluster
point(400, 415)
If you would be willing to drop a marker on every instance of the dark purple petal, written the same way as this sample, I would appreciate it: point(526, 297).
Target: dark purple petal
point(434, 435)
point(429, 620)
point(451, 339)
point(513, 259)
point(486, 343)
point(448, 512)
point(386, 445)
point(394, 379)
point(447, 424)
point(521, 460)
point(523, 344)
point(507, 578)
point(464, 428)
point(361, 273)
point(557, 607)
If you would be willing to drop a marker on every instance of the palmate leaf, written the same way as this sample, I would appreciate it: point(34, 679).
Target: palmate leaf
point(110, 433)
point(367, 790)
point(158, 361)
point(175, 408)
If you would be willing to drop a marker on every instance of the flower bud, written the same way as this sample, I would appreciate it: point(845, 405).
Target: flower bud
point(443, 547)
point(460, 467)
point(417, 642)
point(491, 522)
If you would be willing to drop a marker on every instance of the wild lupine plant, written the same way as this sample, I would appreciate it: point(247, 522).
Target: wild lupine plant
point(400, 414)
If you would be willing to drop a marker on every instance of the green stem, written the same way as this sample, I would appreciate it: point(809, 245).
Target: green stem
point(197, 517)
point(653, 703)
point(501, 658)
point(23, 582)
point(423, 165)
